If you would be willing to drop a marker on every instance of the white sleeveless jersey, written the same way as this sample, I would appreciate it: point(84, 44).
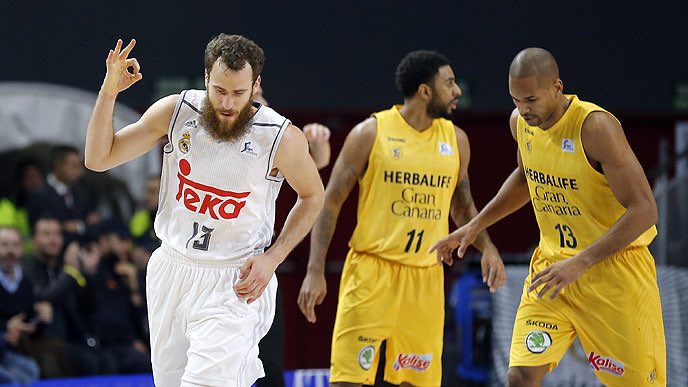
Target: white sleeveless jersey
point(217, 199)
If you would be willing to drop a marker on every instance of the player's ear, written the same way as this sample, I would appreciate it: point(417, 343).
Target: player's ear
point(256, 85)
point(206, 76)
point(425, 92)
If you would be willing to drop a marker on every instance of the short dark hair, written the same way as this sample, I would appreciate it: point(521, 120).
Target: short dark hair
point(44, 216)
point(416, 68)
point(61, 152)
point(534, 62)
point(234, 51)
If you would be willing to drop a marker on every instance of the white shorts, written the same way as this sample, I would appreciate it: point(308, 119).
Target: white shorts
point(201, 332)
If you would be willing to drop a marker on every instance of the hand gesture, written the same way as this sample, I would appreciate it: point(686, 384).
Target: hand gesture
point(312, 293)
point(557, 276)
point(492, 267)
point(254, 277)
point(461, 238)
point(316, 133)
point(118, 77)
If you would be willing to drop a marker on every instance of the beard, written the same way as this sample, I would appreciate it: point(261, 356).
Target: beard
point(220, 130)
point(436, 109)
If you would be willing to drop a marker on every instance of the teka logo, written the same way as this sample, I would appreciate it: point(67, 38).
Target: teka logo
point(413, 361)
point(203, 198)
point(606, 364)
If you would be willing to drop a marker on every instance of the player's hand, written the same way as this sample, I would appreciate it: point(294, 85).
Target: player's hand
point(316, 133)
point(118, 77)
point(557, 276)
point(460, 238)
point(254, 277)
point(492, 267)
point(312, 293)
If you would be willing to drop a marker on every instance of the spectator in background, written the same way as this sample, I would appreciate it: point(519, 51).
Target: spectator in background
point(141, 223)
point(15, 291)
point(64, 196)
point(60, 280)
point(28, 178)
point(20, 314)
point(117, 318)
point(272, 345)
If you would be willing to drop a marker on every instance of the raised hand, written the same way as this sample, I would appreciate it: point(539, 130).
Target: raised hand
point(118, 77)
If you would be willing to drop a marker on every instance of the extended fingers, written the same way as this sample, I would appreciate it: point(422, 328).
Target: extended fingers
point(125, 52)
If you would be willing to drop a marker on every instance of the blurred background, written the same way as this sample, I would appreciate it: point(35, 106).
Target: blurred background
point(333, 63)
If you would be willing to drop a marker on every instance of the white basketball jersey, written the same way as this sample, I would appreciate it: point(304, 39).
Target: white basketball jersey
point(217, 199)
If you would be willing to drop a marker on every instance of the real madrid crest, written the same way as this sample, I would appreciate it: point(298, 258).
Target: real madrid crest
point(185, 143)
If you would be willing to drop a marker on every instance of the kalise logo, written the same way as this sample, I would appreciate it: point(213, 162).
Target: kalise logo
point(203, 199)
point(413, 361)
point(607, 364)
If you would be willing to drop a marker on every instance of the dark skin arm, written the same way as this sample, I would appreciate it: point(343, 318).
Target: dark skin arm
point(463, 210)
point(350, 165)
point(511, 196)
point(608, 150)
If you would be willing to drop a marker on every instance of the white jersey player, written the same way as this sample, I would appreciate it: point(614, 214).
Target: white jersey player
point(224, 162)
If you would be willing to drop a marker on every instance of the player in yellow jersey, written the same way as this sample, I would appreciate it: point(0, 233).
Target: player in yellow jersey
point(411, 163)
point(591, 275)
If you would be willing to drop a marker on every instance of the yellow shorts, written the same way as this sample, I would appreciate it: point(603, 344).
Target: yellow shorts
point(615, 311)
point(383, 300)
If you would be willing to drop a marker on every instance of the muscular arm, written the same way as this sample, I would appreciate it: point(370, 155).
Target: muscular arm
point(512, 195)
point(605, 145)
point(462, 206)
point(293, 161)
point(106, 149)
point(607, 149)
point(350, 165)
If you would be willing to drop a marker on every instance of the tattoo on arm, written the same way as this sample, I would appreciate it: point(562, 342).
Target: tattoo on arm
point(327, 221)
point(463, 210)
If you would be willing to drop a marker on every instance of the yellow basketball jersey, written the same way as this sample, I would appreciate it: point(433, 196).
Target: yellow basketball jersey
point(405, 193)
point(573, 202)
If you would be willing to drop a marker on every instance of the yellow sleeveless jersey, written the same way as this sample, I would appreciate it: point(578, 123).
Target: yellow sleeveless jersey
point(573, 202)
point(405, 193)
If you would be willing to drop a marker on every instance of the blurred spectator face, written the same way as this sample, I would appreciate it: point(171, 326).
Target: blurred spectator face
point(152, 193)
point(113, 243)
point(10, 249)
point(70, 169)
point(31, 178)
point(47, 237)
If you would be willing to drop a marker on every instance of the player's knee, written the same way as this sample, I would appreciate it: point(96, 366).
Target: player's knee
point(525, 376)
